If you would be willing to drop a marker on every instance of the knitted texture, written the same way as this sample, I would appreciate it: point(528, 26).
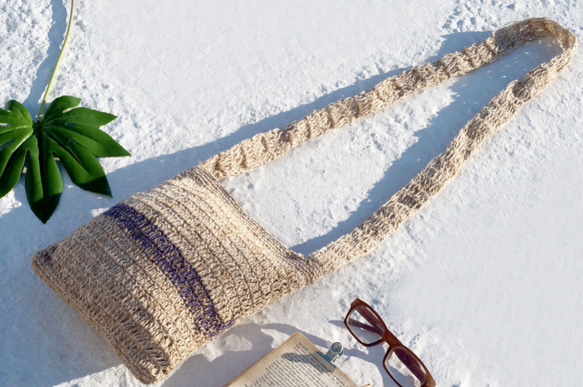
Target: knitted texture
point(266, 147)
point(165, 271)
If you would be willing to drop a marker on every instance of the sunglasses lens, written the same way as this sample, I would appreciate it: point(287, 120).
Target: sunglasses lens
point(365, 325)
point(404, 368)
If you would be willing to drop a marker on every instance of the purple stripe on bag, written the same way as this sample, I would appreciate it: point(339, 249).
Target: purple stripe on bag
point(169, 259)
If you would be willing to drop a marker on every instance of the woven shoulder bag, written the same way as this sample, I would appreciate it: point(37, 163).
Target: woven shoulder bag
point(162, 273)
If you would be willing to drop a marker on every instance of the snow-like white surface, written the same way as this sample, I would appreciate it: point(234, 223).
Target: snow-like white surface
point(483, 283)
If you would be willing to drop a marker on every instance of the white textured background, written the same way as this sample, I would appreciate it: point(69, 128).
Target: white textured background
point(484, 283)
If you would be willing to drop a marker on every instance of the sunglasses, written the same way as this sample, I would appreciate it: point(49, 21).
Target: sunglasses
point(402, 365)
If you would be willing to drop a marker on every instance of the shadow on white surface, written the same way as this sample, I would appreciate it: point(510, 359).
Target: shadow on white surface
point(43, 73)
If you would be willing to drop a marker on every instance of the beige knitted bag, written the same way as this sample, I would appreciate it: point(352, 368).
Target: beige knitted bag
point(165, 271)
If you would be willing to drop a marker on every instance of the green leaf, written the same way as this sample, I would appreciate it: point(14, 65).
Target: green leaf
point(59, 105)
point(83, 168)
point(94, 140)
point(43, 183)
point(15, 129)
point(65, 132)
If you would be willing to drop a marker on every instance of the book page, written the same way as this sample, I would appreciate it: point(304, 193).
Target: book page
point(295, 363)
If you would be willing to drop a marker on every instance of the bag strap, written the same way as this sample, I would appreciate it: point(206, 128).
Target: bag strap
point(265, 147)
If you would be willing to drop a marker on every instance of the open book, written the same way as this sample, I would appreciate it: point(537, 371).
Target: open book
point(295, 363)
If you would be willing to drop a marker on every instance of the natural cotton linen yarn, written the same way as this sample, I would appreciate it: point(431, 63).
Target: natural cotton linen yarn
point(165, 271)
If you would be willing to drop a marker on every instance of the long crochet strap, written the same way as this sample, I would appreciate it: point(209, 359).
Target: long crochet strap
point(265, 147)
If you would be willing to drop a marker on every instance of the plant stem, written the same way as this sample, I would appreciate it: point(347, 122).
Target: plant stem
point(44, 101)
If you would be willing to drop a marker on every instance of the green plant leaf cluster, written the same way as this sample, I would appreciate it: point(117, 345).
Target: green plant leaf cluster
point(65, 133)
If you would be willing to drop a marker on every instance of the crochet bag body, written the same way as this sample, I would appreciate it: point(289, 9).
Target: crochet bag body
point(165, 271)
